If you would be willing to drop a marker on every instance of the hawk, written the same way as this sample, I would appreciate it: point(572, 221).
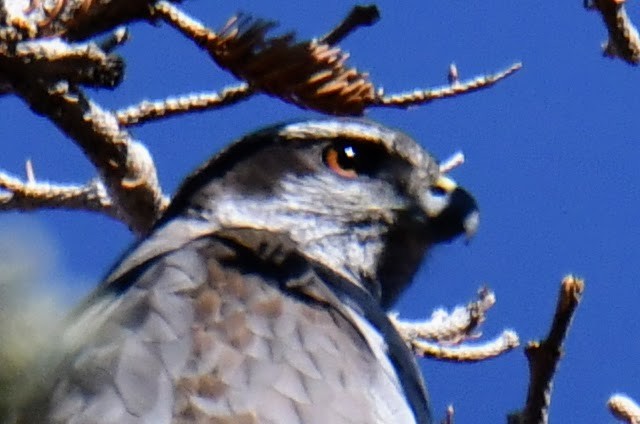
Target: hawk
point(261, 295)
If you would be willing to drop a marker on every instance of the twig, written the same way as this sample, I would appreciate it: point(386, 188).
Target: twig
point(624, 40)
point(452, 162)
point(624, 408)
point(358, 17)
point(31, 195)
point(114, 40)
point(543, 357)
point(449, 327)
point(31, 175)
point(54, 60)
point(450, 413)
point(188, 26)
point(453, 76)
point(161, 109)
point(502, 344)
point(435, 338)
point(420, 97)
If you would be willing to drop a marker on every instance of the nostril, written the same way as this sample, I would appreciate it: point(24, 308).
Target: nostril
point(438, 191)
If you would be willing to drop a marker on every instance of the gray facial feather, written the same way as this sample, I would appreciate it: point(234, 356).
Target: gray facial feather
point(372, 229)
point(343, 231)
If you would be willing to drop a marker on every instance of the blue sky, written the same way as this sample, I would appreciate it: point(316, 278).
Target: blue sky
point(551, 158)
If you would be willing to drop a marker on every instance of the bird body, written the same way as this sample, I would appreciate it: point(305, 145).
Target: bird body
point(261, 294)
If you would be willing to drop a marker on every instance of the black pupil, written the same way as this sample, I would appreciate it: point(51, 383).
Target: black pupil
point(349, 158)
point(361, 158)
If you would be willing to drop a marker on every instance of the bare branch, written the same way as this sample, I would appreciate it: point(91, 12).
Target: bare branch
point(543, 357)
point(452, 162)
point(448, 419)
point(45, 74)
point(114, 40)
point(188, 26)
point(310, 74)
point(624, 41)
point(434, 338)
point(86, 64)
point(53, 59)
point(73, 20)
point(16, 195)
point(31, 175)
point(624, 408)
point(444, 327)
point(125, 165)
point(502, 344)
point(161, 109)
point(358, 17)
point(420, 97)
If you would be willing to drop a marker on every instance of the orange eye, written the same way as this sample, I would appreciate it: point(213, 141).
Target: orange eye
point(351, 159)
point(341, 160)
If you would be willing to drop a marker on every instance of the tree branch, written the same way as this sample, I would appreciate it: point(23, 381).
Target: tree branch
point(455, 89)
point(161, 109)
point(505, 342)
point(310, 74)
point(30, 195)
point(124, 164)
point(358, 17)
point(435, 337)
point(624, 41)
point(54, 60)
point(543, 357)
point(74, 20)
point(449, 327)
point(624, 408)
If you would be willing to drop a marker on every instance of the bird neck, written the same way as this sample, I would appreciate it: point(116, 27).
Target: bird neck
point(349, 249)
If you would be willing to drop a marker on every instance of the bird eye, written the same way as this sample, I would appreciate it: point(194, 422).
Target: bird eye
point(349, 160)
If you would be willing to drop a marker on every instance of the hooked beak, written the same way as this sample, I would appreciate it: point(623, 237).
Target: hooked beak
point(451, 209)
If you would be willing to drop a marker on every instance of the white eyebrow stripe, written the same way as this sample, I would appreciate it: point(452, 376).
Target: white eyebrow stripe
point(336, 129)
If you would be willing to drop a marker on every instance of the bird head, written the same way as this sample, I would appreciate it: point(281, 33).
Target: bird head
point(363, 200)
